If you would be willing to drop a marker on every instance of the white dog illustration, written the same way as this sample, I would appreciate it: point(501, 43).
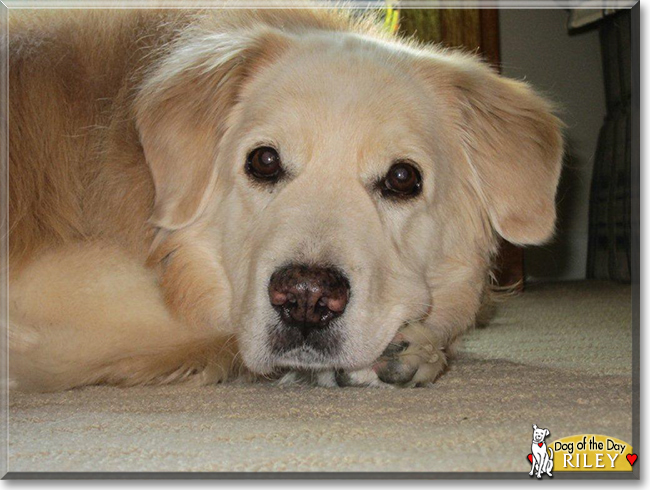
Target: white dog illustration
point(541, 458)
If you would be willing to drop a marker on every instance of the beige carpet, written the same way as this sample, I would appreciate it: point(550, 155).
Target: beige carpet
point(558, 356)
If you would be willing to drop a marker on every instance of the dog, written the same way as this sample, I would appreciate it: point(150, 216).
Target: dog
point(204, 195)
point(542, 460)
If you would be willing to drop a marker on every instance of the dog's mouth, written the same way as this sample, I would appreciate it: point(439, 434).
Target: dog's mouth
point(304, 358)
point(313, 348)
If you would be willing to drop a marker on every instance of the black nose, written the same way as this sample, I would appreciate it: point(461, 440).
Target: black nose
point(308, 297)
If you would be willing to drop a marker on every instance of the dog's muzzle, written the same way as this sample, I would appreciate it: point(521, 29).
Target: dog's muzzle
point(307, 300)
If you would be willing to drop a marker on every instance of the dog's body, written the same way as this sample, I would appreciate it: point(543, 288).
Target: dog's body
point(542, 460)
point(141, 246)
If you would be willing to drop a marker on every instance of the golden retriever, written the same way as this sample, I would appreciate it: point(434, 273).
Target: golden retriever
point(201, 195)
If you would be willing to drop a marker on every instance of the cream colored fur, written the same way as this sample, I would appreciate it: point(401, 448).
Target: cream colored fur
point(140, 250)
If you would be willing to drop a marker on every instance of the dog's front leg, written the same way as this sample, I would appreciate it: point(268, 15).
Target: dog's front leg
point(414, 357)
point(541, 465)
point(534, 465)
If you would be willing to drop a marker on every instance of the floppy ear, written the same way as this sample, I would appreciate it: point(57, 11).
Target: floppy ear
point(514, 146)
point(546, 432)
point(181, 110)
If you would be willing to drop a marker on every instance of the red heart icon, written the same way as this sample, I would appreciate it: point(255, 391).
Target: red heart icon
point(530, 458)
point(540, 444)
point(631, 458)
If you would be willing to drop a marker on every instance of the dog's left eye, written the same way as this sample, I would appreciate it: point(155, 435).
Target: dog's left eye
point(264, 164)
point(403, 180)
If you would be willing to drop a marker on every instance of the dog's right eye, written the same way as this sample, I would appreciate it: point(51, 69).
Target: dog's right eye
point(263, 164)
point(403, 180)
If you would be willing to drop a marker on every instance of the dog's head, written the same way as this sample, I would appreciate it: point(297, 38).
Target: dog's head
point(337, 186)
point(539, 434)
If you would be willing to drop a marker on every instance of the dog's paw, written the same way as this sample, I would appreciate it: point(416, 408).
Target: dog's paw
point(413, 358)
point(307, 378)
point(360, 377)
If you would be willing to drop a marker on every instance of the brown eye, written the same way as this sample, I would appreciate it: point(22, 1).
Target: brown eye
point(264, 164)
point(402, 180)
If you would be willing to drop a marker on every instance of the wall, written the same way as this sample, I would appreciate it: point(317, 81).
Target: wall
point(535, 46)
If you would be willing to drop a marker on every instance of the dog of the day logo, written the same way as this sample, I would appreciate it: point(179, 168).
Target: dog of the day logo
point(541, 457)
point(585, 452)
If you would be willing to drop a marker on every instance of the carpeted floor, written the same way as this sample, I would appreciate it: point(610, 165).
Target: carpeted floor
point(559, 356)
